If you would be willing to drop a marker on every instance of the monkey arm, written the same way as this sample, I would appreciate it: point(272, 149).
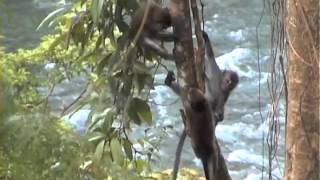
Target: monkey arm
point(153, 46)
point(209, 50)
point(212, 69)
point(165, 36)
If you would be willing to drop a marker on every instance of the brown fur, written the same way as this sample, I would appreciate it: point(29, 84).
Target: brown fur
point(150, 26)
point(158, 19)
point(200, 128)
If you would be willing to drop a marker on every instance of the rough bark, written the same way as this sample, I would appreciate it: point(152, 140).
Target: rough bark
point(200, 42)
point(302, 137)
point(181, 22)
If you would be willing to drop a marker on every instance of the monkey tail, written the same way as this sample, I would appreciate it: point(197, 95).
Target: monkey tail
point(178, 155)
point(205, 168)
point(209, 167)
point(209, 50)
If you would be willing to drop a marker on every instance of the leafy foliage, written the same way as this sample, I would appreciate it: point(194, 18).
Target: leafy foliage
point(91, 42)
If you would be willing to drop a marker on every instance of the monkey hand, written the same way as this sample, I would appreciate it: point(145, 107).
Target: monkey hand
point(170, 78)
point(205, 36)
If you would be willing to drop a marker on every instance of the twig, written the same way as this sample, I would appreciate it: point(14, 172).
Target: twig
point(65, 109)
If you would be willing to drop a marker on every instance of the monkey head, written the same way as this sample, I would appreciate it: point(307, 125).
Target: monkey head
point(230, 79)
point(158, 19)
point(161, 15)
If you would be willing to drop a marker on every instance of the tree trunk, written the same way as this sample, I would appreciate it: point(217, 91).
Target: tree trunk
point(302, 136)
point(186, 64)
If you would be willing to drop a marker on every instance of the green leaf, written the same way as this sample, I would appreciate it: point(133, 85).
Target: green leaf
point(51, 15)
point(103, 63)
point(140, 165)
point(116, 151)
point(128, 148)
point(99, 42)
point(108, 121)
point(98, 118)
point(96, 136)
point(99, 150)
point(116, 61)
point(131, 111)
point(141, 80)
point(139, 111)
point(78, 30)
point(96, 8)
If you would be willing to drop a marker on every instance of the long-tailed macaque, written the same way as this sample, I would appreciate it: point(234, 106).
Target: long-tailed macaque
point(154, 22)
point(198, 126)
point(204, 109)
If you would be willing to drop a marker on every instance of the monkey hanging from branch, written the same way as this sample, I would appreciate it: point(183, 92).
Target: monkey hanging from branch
point(204, 109)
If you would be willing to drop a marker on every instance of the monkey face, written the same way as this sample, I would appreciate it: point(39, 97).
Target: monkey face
point(229, 81)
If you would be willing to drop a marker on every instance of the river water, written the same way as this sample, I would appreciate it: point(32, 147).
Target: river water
point(231, 25)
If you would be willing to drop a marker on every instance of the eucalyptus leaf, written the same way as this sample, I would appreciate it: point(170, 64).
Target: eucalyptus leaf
point(103, 62)
point(145, 116)
point(116, 151)
point(132, 113)
point(140, 165)
point(96, 136)
point(141, 80)
point(128, 149)
point(139, 111)
point(96, 8)
point(98, 42)
point(78, 30)
point(99, 151)
point(98, 117)
point(51, 16)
